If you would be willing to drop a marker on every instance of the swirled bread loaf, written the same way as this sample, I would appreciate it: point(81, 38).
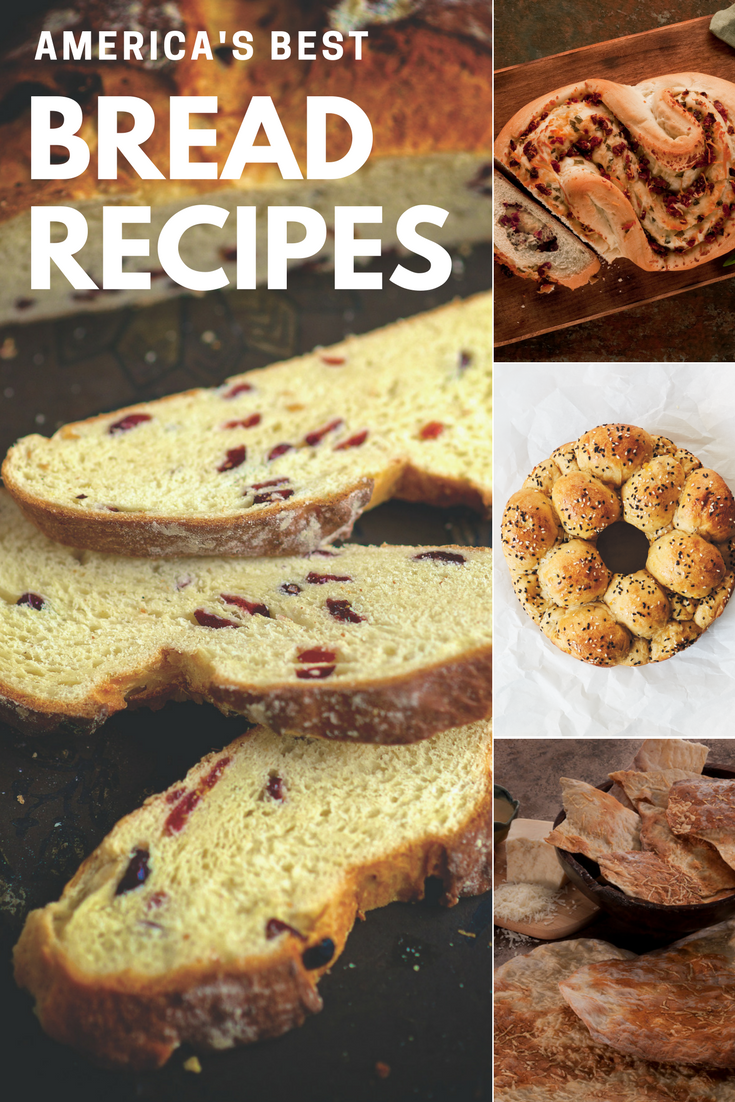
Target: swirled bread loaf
point(645, 172)
point(550, 533)
point(208, 915)
point(276, 461)
point(376, 644)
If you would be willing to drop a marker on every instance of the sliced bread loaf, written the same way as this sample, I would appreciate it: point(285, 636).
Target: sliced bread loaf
point(279, 460)
point(208, 915)
point(379, 644)
point(534, 245)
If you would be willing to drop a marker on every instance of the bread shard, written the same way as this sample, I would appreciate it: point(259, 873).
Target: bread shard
point(674, 1006)
point(644, 172)
point(595, 822)
point(705, 809)
point(429, 148)
point(381, 644)
point(544, 1052)
point(207, 916)
point(276, 461)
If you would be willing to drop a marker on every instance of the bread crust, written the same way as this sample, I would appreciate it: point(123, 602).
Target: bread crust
point(395, 710)
point(685, 512)
point(284, 529)
point(596, 188)
point(132, 1021)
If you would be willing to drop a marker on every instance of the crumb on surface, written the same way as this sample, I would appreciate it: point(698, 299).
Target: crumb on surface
point(382, 1069)
point(192, 1064)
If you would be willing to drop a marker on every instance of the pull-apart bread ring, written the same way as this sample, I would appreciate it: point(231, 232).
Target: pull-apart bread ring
point(551, 527)
point(645, 172)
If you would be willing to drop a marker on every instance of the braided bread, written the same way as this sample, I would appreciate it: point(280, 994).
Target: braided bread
point(644, 172)
point(550, 533)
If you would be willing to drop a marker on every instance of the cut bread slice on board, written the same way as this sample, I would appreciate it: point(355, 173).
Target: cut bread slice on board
point(534, 245)
point(379, 644)
point(280, 460)
point(208, 915)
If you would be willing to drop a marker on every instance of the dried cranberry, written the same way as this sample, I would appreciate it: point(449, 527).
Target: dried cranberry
point(315, 673)
point(432, 430)
point(214, 774)
point(343, 611)
point(280, 449)
point(272, 482)
point(129, 422)
point(238, 388)
point(252, 607)
point(290, 588)
point(156, 900)
point(316, 654)
point(136, 873)
point(440, 556)
point(313, 438)
point(465, 359)
point(81, 497)
point(316, 956)
point(209, 620)
point(235, 458)
point(174, 795)
point(321, 553)
point(33, 600)
point(245, 423)
point(353, 441)
point(321, 579)
point(176, 820)
point(276, 788)
point(274, 927)
point(334, 361)
point(272, 495)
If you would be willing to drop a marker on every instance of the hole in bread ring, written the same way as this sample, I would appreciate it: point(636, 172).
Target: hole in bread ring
point(623, 548)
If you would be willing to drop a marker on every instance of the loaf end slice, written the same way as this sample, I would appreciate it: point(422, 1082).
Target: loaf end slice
point(208, 915)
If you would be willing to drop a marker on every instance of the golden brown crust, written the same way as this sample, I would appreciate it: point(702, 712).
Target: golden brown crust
point(685, 512)
point(400, 84)
point(395, 710)
point(135, 1022)
point(283, 529)
point(604, 157)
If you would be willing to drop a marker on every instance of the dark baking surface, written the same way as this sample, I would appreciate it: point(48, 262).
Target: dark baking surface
point(430, 1025)
point(531, 768)
point(692, 326)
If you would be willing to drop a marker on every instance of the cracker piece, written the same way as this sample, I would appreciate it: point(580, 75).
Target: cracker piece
point(596, 823)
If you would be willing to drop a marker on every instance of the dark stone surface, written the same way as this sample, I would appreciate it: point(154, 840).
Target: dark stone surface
point(694, 326)
point(530, 769)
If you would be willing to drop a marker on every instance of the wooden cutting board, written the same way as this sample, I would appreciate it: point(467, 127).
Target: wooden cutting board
point(575, 910)
point(520, 311)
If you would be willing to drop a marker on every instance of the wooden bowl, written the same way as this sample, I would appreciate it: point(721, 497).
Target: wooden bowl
point(654, 918)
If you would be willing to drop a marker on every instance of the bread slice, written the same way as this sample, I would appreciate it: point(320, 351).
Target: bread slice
point(534, 245)
point(278, 460)
point(208, 915)
point(378, 644)
point(428, 147)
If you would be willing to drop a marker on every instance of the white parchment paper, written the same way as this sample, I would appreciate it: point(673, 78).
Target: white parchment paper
point(538, 690)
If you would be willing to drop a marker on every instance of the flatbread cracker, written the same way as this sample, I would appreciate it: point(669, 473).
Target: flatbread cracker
point(676, 1005)
point(653, 786)
point(705, 809)
point(671, 753)
point(596, 823)
point(647, 876)
point(685, 855)
point(544, 1053)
